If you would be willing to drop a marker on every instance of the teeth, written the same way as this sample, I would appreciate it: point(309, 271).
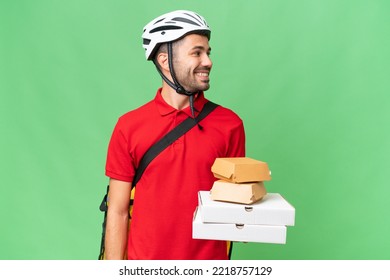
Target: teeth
point(203, 74)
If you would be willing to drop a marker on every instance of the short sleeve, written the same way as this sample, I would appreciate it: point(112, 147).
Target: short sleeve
point(119, 164)
point(236, 146)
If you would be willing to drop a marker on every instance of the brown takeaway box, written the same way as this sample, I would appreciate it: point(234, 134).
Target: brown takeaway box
point(246, 193)
point(240, 170)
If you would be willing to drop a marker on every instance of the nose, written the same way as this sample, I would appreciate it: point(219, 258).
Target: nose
point(206, 61)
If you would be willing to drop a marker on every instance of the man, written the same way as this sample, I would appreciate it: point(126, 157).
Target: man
point(166, 194)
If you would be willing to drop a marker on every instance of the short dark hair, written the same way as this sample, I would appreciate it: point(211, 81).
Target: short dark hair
point(163, 48)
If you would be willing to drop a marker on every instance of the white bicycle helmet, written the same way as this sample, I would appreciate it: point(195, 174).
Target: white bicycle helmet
point(170, 27)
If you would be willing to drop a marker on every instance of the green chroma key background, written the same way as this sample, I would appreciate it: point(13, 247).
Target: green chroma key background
point(310, 79)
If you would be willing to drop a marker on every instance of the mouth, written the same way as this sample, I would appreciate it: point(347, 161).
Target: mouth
point(202, 74)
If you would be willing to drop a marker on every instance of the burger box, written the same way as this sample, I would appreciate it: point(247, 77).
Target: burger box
point(237, 232)
point(240, 169)
point(272, 209)
point(246, 193)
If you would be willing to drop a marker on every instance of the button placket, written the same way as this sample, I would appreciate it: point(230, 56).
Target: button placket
point(179, 117)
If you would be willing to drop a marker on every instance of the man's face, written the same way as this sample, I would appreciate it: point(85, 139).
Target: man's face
point(192, 63)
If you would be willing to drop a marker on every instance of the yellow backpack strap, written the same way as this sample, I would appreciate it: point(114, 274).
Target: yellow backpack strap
point(132, 194)
point(229, 249)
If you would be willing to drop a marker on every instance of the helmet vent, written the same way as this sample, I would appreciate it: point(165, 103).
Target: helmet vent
point(158, 21)
point(146, 41)
point(164, 28)
point(186, 20)
point(194, 17)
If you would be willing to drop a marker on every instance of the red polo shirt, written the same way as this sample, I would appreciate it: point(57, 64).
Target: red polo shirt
point(166, 195)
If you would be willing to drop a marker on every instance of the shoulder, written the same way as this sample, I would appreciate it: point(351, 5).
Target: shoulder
point(138, 115)
point(226, 114)
point(140, 111)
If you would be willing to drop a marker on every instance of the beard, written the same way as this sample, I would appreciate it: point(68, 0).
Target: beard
point(190, 80)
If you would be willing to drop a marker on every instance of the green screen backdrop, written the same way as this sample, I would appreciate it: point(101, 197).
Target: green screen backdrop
point(310, 79)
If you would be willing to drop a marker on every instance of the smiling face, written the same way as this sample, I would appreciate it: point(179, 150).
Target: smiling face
point(192, 63)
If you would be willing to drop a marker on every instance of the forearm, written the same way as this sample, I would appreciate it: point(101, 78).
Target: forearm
point(116, 235)
point(117, 219)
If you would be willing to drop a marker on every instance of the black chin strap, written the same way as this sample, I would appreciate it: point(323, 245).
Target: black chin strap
point(178, 87)
point(175, 84)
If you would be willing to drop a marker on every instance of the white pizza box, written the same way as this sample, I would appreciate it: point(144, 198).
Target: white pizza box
point(272, 209)
point(237, 232)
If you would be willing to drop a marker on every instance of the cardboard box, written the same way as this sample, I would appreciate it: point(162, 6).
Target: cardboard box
point(273, 209)
point(240, 170)
point(237, 232)
point(246, 193)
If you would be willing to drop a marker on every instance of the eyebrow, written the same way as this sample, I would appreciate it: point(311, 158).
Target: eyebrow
point(201, 48)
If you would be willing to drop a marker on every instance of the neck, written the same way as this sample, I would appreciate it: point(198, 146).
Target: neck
point(176, 100)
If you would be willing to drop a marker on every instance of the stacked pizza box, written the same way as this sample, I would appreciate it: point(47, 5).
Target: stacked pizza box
point(238, 207)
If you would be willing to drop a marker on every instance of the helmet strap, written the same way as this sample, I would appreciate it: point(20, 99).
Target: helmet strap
point(169, 82)
point(179, 89)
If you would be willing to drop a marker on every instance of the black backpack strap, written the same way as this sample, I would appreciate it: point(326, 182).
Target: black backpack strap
point(150, 154)
point(171, 137)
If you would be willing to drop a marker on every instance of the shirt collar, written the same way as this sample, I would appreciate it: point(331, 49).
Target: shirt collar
point(165, 109)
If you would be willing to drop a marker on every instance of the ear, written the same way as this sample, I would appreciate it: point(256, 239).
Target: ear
point(162, 59)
